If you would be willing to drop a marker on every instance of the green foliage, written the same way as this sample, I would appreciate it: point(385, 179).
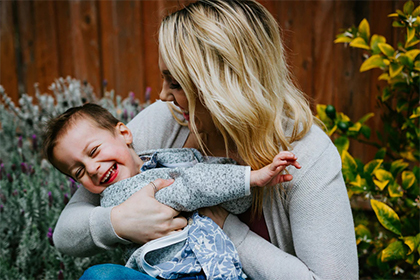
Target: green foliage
point(32, 192)
point(388, 240)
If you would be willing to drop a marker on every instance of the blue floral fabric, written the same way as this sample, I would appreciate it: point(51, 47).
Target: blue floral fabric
point(207, 248)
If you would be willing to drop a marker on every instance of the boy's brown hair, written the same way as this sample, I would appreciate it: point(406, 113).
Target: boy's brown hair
point(57, 126)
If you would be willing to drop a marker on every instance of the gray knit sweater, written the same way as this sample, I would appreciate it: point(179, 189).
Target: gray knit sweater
point(310, 225)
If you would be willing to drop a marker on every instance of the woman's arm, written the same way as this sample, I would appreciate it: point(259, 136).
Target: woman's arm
point(318, 241)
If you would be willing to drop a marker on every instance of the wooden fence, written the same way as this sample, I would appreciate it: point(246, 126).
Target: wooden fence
point(116, 41)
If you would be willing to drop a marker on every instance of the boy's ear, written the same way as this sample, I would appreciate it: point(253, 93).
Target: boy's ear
point(123, 130)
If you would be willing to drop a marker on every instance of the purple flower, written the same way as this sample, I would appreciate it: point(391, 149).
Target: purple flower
point(73, 186)
point(60, 275)
point(62, 266)
point(13, 167)
point(147, 93)
point(50, 236)
point(65, 199)
point(24, 167)
point(132, 97)
point(15, 193)
point(50, 199)
point(34, 142)
point(1, 208)
point(104, 82)
point(22, 212)
point(20, 143)
point(9, 177)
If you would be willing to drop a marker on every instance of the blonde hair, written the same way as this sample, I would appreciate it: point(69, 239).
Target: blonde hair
point(230, 55)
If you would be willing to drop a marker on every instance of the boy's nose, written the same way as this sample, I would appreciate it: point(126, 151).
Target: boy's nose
point(93, 168)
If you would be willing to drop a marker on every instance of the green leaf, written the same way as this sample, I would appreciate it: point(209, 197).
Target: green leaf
point(411, 36)
point(395, 190)
point(413, 53)
point(405, 60)
point(374, 41)
point(366, 117)
point(408, 179)
point(394, 251)
point(359, 43)
point(398, 166)
point(402, 105)
point(364, 30)
point(349, 166)
point(412, 243)
point(362, 234)
point(397, 23)
point(365, 130)
point(383, 175)
point(380, 154)
point(408, 7)
point(375, 61)
point(371, 166)
point(343, 39)
point(386, 49)
point(355, 127)
point(384, 76)
point(409, 44)
point(359, 185)
point(342, 143)
point(386, 216)
point(416, 12)
point(395, 69)
point(416, 113)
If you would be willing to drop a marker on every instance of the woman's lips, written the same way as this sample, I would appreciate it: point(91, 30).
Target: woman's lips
point(186, 116)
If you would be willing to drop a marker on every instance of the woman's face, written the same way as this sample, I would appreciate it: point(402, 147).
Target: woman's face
point(172, 92)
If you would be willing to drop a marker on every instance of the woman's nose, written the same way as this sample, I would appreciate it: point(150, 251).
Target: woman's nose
point(165, 94)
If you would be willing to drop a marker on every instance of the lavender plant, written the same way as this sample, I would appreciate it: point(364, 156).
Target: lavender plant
point(32, 192)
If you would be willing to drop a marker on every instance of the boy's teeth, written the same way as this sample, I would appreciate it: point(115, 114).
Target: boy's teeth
point(107, 174)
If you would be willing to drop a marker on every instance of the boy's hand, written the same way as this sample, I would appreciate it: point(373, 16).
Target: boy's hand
point(271, 175)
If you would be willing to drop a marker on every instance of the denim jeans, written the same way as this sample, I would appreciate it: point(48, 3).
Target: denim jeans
point(119, 272)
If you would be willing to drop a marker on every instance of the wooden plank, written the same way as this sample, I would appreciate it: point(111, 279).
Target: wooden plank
point(122, 48)
point(26, 33)
point(323, 58)
point(151, 21)
point(298, 38)
point(8, 67)
point(350, 86)
point(84, 34)
point(64, 38)
point(45, 41)
point(108, 43)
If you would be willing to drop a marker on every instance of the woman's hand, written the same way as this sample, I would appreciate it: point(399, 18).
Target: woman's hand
point(142, 218)
point(216, 213)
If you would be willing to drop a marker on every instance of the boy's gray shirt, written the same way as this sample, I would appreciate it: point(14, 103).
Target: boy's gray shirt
point(310, 226)
point(199, 182)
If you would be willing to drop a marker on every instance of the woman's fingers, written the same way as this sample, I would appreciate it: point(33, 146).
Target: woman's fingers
point(142, 218)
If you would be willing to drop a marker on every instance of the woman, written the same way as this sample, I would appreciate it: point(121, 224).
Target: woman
point(223, 66)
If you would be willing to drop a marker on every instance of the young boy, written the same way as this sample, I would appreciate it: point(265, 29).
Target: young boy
point(88, 144)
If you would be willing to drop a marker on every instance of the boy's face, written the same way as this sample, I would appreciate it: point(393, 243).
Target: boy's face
point(94, 156)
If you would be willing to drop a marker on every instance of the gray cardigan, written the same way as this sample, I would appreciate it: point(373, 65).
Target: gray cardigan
point(310, 225)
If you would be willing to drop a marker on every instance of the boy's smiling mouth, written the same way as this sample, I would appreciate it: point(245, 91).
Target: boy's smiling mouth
point(110, 175)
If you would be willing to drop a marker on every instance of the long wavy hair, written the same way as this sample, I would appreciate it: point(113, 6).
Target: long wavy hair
point(228, 55)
